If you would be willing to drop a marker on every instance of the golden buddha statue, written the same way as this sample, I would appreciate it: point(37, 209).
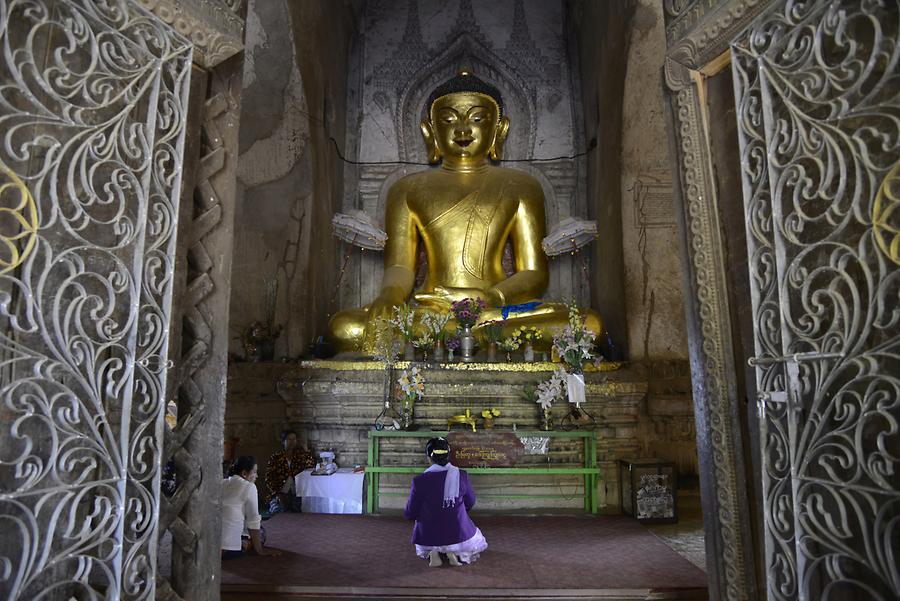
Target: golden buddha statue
point(464, 212)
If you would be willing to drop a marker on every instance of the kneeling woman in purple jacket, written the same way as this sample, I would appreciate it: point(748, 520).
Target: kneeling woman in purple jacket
point(439, 502)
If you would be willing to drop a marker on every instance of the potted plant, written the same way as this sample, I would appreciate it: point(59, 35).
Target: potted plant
point(424, 343)
point(452, 347)
point(493, 333)
point(434, 323)
point(528, 335)
point(509, 345)
point(488, 415)
point(573, 346)
point(410, 388)
point(546, 393)
point(402, 320)
point(466, 312)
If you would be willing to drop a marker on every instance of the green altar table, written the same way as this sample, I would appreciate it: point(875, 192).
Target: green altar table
point(590, 470)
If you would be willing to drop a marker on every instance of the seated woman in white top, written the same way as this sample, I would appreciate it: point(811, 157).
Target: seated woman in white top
point(240, 511)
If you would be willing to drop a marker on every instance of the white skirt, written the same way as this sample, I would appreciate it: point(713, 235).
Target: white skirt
point(467, 551)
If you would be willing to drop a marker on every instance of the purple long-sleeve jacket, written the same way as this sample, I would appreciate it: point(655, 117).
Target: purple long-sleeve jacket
point(437, 525)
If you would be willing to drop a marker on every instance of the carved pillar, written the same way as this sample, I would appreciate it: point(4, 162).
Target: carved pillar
point(200, 312)
point(698, 34)
point(709, 341)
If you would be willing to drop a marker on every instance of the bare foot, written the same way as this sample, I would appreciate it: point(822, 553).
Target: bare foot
point(434, 560)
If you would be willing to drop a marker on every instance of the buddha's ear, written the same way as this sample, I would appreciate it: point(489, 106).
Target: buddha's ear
point(496, 150)
point(434, 152)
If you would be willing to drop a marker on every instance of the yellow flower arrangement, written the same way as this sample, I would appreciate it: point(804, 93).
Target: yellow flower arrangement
point(527, 334)
point(490, 413)
point(510, 344)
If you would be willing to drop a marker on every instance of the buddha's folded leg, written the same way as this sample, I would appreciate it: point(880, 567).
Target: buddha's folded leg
point(549, 318)
point(347, 329)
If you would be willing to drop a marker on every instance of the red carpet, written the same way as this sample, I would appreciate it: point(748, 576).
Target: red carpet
point(350, 553)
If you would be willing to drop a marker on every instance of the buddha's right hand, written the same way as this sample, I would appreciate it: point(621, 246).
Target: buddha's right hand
point(444, 296)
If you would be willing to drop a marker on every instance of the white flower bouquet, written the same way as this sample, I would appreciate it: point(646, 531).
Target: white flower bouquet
point(552, 389)
point(574, 344)
point(411, 387)
point(434, 324)
point(402, 320)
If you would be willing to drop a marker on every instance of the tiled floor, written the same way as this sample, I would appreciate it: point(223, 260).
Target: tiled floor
point(686, 537)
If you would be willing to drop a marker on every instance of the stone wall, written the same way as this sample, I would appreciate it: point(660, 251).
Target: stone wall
point(629, 179)
point(653, 271)
point(290, 179)
point(654, 290)
point(254, 412)
point(637, 282)
point(668, 424)
point(599, 38)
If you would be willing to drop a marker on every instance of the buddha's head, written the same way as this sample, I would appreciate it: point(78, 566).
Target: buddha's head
point(464, 125)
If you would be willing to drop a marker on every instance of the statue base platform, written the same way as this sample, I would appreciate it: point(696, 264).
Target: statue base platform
point(334, 403)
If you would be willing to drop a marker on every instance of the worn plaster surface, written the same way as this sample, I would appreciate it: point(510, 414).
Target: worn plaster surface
point(290, 180)
point(600, 33)
point(653, 280)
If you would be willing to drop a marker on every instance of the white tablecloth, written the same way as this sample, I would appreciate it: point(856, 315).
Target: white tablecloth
point(341, 492)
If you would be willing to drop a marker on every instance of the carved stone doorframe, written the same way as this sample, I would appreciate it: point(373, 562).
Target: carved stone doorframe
point(698, 35)
point(192, 450)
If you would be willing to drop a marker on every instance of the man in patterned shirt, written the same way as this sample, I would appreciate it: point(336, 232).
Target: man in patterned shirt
point(280, 472)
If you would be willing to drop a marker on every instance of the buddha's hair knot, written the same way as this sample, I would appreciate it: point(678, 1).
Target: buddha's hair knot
point(464, 82)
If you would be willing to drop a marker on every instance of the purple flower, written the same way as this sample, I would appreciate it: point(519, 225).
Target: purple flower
point(467, 310)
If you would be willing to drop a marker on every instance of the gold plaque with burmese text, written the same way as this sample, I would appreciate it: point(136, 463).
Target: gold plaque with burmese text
point(485, 449)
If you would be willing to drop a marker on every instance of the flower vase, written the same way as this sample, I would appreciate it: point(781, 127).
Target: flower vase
point(529, 352)
point(438, 354)
point(545, 419)
point(449, 355)
point(406, 415)
point(409, 352)
point(492, 352)
point(467, 344)
point(575, 389)
point(267, 349)
point(509, 356)
point(488, 423)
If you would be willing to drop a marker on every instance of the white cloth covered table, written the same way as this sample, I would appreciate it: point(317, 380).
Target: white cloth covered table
point(341, 492)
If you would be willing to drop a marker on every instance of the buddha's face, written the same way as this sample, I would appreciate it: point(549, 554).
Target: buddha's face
point(463, 128)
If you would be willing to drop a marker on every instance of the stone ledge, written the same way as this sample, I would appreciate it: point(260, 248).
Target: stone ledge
point(514, 366)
